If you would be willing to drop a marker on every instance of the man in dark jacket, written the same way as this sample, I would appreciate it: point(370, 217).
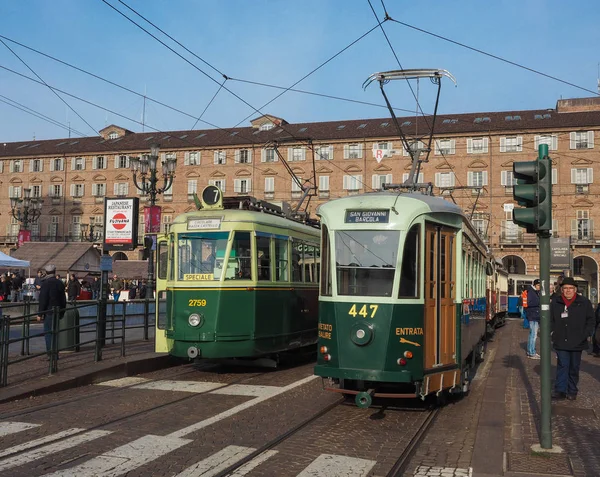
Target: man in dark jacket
point(595, 343)
point(572, 318)
point(532, 313)
point(52, 293)
point(73, 287)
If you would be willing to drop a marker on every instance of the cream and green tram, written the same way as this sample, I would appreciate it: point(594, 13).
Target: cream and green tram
point(236, 279)
point(402, 296)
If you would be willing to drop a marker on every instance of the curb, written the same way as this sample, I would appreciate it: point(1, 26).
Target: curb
point(118, 370)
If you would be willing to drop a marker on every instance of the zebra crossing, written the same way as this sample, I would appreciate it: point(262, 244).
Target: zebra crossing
point(144, 450)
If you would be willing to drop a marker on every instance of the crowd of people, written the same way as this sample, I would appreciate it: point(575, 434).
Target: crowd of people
point(14, 287)
point(574, 326)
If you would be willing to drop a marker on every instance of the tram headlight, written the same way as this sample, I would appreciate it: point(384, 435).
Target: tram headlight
point(194, 319)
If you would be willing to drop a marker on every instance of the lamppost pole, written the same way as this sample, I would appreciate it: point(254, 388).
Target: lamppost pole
point(146, 166)
point(26, 210)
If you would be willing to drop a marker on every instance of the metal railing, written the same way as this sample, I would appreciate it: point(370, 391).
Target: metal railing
point(104, 320)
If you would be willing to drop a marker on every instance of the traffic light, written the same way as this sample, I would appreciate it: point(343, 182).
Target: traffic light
point(534, 192)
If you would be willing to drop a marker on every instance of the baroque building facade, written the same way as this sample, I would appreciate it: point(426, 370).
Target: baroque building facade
point(470, 163)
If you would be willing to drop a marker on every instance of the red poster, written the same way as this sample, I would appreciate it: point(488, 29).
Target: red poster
point(152, 217)
point(24, 236)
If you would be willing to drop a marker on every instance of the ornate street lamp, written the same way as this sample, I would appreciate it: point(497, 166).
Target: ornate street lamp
point(146, 167)
point(89, 237)
point(26, 210)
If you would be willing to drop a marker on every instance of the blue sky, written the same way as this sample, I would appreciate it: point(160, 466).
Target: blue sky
point(278, 42)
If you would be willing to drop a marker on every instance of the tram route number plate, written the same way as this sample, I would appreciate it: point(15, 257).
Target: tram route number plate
point(367, 216)
point(203, 224)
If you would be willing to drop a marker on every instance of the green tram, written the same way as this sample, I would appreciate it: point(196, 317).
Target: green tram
point(238, 279)
point(402, 303)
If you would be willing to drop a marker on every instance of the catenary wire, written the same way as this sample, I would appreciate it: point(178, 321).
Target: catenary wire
point(37, 114)
point(54, 92)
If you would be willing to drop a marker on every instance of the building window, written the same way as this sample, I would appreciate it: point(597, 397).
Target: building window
point(242, 186)
point(511, 144)
point(269, 187)
point(296, 154)
point(76, 190)
point(166, 223)
point(353, 151)
point(480, 225)
point(377, 180)
point(582, 176)
point(445, 147)
point(121, 188)
point(99, 162)
point(98, 190)
point(191, 158)
point(445, 179)
point(53, 226)
point(296, 190)
point(220, 157)
point(243, 156)
point(324, 152)
point(477, 178)
point(16, 165)
point(268, 155)
point(15, 191)
point(76, 227)
point(192, 188)
point(582, 140)
point(36, 165)
point(420, 178)
point(510, 229)
point(353, 182)
point(266, 126)
point(78, 164)
point(220, 183)
point(324, 186)
point(550, 139)
point(477, 145)
point(113, 135)
point(414, 146)
point(56, 190)
point(56, 164)
point(36, 191)
point(582, 228)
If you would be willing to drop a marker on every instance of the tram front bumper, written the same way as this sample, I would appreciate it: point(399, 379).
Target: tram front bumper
point(400, 376)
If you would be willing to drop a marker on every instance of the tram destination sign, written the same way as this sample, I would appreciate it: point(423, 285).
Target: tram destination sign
point(204, 224)
point(374, 216)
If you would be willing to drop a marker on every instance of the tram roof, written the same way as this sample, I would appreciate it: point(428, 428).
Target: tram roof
point(245, 216)
point(416, 203)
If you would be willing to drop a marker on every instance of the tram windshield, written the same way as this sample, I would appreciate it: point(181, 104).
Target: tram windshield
point(366, 261)
point(201, 255)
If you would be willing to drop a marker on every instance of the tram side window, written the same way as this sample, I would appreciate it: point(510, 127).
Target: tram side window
point(325, 262)
point(263, 253)
point(281, 252)
point(240, 260)
point(409, 283)
point(311, 254)
point(366, 261)
point(162, 260)
point(297, 260)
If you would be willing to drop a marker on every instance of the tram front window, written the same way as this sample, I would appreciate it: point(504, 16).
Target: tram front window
point(200, 255)
point(366, 261)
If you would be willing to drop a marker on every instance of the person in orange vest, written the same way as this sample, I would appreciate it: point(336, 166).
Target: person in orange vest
point(531, 304)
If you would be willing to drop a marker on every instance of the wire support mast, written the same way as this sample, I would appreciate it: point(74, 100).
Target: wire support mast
point(413, 149)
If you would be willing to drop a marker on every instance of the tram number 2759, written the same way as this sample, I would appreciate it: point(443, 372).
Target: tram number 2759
point(196, 302)
point(364, 311)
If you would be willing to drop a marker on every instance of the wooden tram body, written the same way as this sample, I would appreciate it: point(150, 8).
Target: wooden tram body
point(238, 280)
point(402, 304)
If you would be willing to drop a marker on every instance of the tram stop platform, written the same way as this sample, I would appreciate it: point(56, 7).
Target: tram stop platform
point(31, 377)
point(490, 433)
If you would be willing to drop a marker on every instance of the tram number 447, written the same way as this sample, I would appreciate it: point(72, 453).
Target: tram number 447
point(365, 311)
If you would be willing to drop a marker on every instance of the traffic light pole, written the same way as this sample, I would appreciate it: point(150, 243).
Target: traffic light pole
point(545, 325)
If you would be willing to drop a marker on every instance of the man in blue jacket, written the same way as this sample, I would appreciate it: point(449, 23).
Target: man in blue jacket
point(532, 312)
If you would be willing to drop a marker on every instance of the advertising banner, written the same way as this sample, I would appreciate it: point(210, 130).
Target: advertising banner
point(152, 216)
point(121, 223)
point(560, 254)
point(24, 236)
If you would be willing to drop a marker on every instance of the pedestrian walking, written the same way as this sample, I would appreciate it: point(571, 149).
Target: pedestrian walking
point(573, 320)
point(73, 287)
point(132, 290)
point(4, 288)
point(143, 290)
point(95, 288)
point(531, 305)
point(117, 287)
point(37, 284)
point(52, 293)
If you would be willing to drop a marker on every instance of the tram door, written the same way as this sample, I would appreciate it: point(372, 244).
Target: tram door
point(162, 344)
point(440, 289)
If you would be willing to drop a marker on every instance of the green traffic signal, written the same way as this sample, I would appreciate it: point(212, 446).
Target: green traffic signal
point(533, 190)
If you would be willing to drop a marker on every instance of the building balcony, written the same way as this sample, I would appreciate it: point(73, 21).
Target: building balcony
point(518, 238)
point(583, 239)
